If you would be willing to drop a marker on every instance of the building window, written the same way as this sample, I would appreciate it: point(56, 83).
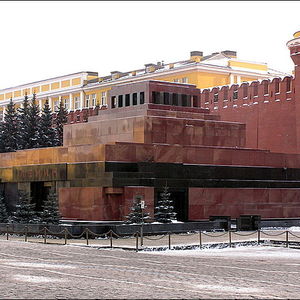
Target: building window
point(87, 101)
point(156, 97)
point(175, 99)
point(142, 97)
point(176, 80)
point(216, 97)
point(134, 99)
point(277, 87)
point(94, 100)
point(66, 103)
point(166, 98)
point(184, 80)
point(103, 98)
point(56, 105)
point(76, 102)
point(120, 100)
point(195, 101)
point(127, 99)
point(113, 102)
point(184, 100)
point(288, 85)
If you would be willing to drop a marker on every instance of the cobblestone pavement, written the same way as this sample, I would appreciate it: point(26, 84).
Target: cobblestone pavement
point(48, 271)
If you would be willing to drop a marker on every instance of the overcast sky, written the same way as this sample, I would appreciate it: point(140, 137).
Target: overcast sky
point(40, 39)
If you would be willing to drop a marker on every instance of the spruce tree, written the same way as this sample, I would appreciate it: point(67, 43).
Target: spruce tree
point(50, 213)
point(10, 128)
point(3, 210)
point(60, 120)
point(47, 133)
point(25, 211)
point(33, 124)
point(165, 209)
point(136, 215)
point(23, 120)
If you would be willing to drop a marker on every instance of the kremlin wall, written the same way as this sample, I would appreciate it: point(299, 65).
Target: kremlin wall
point(226, 150)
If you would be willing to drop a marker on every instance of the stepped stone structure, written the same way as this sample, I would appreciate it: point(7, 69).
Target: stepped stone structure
point(225, 151)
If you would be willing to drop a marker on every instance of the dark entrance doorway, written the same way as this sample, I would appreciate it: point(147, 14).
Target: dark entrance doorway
point(39, 193)
point(180, 201)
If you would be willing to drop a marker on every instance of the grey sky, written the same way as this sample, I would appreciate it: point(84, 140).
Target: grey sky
point(40, 40)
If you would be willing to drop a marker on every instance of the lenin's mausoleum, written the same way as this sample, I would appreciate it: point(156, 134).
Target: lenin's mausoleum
point(227, 150)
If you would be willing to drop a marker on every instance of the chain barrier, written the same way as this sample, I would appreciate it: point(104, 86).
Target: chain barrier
point(155, 239)
point(222, 234)
point(244, 234)
point(274, 234)
point(292, 234)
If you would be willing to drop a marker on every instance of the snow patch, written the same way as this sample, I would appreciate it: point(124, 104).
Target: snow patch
point(36, 279)
point(230, 289)
point(38, 265)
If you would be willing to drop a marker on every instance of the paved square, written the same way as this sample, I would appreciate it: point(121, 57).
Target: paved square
point(34, 270)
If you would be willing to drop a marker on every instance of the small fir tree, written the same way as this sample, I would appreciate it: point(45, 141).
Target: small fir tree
point(165, 209)
point(136, 215)
point(50, 213)
point(33, 124)
point(3, 210)
point(23, 123)
point(25, 211)
point(60, 120)
point(47, 133)
point(10, 129)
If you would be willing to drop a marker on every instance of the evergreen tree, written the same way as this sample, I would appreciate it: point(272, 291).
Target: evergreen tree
point(60, 120)
point(10, 128)
point(47, 133)
point(165, 209)
point(136, 215)
point(23, 120)
point(25, 211)
point(1, 138)
point(33, 124)
point(3, 210)
point(50, 213)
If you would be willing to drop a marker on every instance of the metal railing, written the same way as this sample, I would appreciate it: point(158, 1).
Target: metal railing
point(110, 239)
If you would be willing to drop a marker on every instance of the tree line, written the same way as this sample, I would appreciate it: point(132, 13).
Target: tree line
point(26, 213)
point(27, 127)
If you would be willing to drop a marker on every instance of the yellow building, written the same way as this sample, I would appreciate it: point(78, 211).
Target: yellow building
point(87, 89)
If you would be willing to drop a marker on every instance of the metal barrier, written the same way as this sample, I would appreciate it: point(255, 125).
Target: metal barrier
point(197, 239)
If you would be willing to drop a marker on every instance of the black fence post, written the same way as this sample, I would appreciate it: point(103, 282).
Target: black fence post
point(111, 238)
point(136, 241)
point(229, 234)
point(287, 238)
point(66, 235)
point(169, 240)
point(200, 239)
point(7, 232)
point(258, 236)
point(26, 232)
point(87, 236)
point(45, 235)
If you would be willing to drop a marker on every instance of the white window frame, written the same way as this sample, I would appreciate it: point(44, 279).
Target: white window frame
point(94, 100)
point(76, 102)
point(103, 98)
point(66, 103)
point(185, 80)
point(56, 105)
point(87, 101)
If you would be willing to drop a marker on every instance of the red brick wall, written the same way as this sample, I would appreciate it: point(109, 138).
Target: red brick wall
point(271, 120)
